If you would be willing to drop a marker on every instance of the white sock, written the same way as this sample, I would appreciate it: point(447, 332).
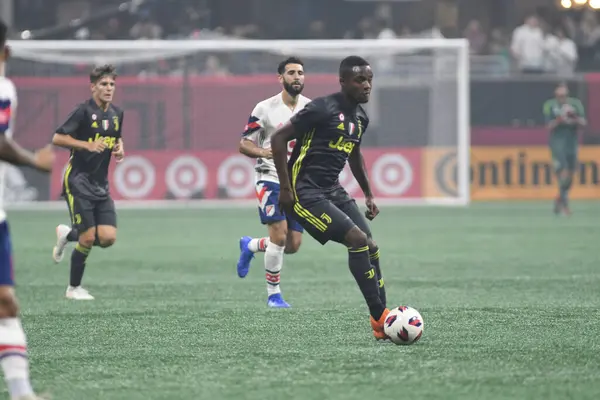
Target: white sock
point(273, 264)
point(258, 244)
point(13, 357)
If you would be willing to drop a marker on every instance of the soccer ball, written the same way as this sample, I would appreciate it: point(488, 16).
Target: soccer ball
point(404, 325)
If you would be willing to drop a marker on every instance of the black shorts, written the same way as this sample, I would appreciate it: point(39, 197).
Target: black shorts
point(86, 214)
point(328, 215)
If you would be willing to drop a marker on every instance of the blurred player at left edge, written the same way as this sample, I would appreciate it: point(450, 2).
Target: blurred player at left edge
point(13, 343)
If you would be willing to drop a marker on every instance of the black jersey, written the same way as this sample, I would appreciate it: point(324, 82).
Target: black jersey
point(87, 172)
point(328, 128)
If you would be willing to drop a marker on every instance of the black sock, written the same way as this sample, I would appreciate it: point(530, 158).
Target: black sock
point(374, 257)
point(365, 276)
point(563, 189)
point(78, 258)
point(73, 236)
point(567, 188)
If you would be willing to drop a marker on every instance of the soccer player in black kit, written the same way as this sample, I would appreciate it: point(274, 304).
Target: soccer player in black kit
point(329, 132)
point(93, 134)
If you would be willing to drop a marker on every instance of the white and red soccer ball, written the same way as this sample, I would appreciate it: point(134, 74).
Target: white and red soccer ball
point(404, 325)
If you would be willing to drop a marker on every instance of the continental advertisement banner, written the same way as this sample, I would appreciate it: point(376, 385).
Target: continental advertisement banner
point(509, 173)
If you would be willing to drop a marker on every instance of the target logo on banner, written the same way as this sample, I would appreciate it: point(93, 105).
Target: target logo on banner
point(347, 180)
point(392, 174)
point(236, 176)
point(185, 176)
point(134, 177)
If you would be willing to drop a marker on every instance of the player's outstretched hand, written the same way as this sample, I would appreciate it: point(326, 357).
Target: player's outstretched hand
point(44, 158)
point(372, 209)
point(97, 146)
point(118, 152)
point(286, 200)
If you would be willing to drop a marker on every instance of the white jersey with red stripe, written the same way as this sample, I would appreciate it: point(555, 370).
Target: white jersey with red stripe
point(8, 108)
point(266, 118)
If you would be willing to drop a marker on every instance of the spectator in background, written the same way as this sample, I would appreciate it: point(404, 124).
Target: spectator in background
point(528, 45)
point(366, 30)
point(498, 46)
point(561, 53)
point(476, 36)
point(145, 28)
point(385, 30)
point(588, 39)
point(213, 67)
point(589, 29)
point(316, 30)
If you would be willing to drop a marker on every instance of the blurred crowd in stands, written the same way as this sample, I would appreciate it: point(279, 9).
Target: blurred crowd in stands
point(552, 41)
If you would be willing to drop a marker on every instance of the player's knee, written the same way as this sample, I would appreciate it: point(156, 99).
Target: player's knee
point(107, 240)
point(372, 245)
point(278, 233)
point(355, 238)
point(87, 238)
point(292, 245)
point(9, 308)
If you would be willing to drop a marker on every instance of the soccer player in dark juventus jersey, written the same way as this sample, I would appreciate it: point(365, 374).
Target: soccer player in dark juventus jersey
point(329, 132)
point(93, 134)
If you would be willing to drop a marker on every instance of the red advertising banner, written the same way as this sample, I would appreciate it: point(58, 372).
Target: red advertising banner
point(158, 109)
point(166, 175)
point(199, 113)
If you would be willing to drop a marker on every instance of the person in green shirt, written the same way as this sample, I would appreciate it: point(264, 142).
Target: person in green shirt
point(565, 117)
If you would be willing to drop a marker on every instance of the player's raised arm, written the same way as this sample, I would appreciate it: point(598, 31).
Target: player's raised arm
point(66, 134)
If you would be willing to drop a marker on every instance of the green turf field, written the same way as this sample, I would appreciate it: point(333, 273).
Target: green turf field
point(509, 293)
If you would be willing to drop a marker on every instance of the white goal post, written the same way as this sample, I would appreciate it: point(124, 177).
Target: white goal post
point(186, 103)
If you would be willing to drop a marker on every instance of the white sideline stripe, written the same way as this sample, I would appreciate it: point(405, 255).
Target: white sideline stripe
point(220, 204)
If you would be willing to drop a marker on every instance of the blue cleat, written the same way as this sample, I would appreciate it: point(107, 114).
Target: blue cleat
point(276, 301)
point(246, 257)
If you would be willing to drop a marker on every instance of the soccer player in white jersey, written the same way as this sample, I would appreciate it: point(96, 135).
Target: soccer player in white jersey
point(13, 344)
point(285, 234)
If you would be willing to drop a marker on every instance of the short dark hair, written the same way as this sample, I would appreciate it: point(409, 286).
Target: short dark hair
point(3, 33)
point(350, 62)
point(289, 60)
point(100, 72)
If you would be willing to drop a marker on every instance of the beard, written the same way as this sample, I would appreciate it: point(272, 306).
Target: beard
point(292, 91)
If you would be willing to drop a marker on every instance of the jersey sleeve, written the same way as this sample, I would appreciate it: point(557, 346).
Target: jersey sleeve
point(73, 123)
point(5, 114)
point(311, 116)
point(255, 125)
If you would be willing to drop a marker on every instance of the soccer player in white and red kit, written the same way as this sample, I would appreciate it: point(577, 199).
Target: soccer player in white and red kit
point(13, 344)
point(285, 234)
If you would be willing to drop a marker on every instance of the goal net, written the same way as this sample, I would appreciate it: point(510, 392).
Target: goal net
point(186, 103)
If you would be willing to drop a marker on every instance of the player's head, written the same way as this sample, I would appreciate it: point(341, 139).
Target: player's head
point(561, 92)
point(102, 83)
point(356, 78)
point(3, 47)
point(291, 75)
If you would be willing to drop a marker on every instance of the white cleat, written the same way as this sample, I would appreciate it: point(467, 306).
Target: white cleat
point(62, 231)
point(78, 293)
